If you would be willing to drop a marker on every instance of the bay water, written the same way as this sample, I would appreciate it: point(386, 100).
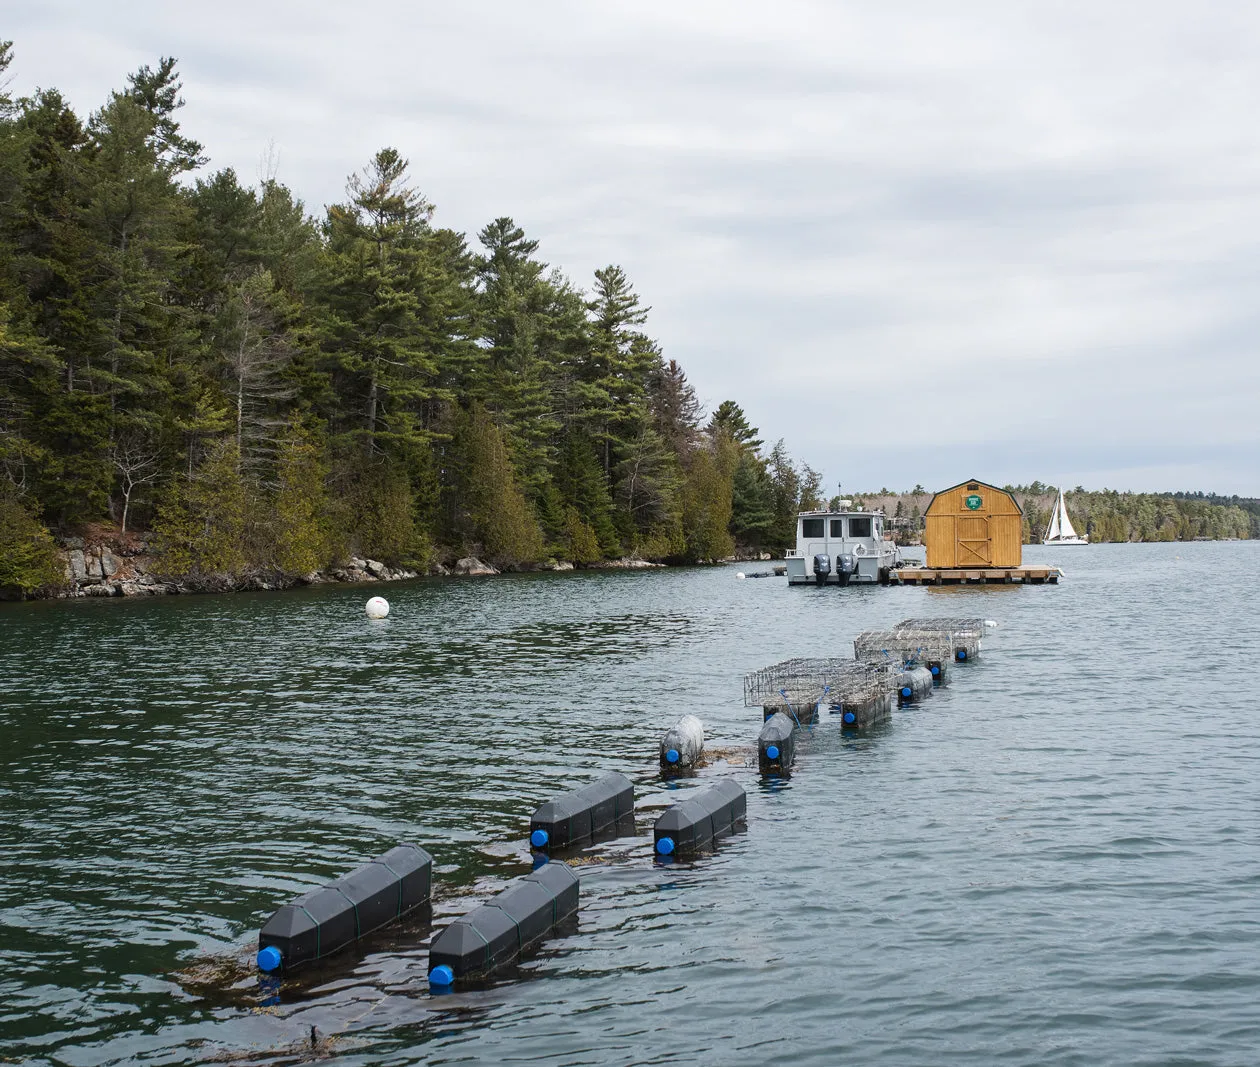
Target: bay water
point(1055, 860)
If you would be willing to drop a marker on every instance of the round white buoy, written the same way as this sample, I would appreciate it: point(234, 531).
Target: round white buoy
point(377, 607)
point(739, 574)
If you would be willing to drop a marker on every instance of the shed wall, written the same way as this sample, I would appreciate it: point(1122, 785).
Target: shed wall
point(990, 535)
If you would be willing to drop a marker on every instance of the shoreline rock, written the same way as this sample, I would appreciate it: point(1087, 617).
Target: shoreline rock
point(126, 567)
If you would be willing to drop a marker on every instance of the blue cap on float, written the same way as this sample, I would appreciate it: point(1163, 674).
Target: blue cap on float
point(850, 717)
point(441, 977)
point(906, 691)
point(962, 653)
point(539, 838)
point(936, 669)
point(772, 751)
point(672, 756)
point(269, 959)
point(665, 846)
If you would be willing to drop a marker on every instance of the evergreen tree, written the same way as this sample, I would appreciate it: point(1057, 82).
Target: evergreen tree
point(28, 555)
point(303, 534)
point(707, 501)
point(499, 516)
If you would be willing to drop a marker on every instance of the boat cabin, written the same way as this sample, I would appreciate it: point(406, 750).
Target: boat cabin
point(839, 547)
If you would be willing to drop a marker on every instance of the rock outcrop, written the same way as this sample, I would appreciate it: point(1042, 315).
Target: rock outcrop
point(129, 569)
point(472, 565)
point(127, 566)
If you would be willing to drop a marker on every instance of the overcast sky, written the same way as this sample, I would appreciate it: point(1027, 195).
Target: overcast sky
point(919, 241)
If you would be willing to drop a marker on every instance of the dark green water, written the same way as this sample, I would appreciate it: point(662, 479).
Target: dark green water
point(1054, 861)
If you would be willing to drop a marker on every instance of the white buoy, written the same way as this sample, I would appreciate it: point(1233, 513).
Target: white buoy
point(991, 623)
point(377, 607)
point(739, 574)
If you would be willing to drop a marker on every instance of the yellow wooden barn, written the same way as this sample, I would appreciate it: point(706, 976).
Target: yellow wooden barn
point(974, 524)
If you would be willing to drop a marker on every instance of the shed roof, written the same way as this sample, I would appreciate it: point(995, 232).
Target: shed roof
point(974, 481)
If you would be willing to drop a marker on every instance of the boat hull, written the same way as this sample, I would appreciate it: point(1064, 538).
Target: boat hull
point(870, 570)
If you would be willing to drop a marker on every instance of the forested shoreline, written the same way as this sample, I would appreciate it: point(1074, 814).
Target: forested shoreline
point(212, 378)
point(267, 391)
point(1106, 515)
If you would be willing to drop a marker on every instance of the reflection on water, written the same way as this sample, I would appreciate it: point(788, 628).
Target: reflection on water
point(1054, 860)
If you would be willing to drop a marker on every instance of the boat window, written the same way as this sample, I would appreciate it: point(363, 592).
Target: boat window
point(837, 527)
point(811, 527)
point(860, 526)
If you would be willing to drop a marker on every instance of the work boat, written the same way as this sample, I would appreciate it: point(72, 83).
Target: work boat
point(1061, 531)
point(840, 547)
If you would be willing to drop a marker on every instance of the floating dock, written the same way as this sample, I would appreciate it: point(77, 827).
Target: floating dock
point(1026, 575)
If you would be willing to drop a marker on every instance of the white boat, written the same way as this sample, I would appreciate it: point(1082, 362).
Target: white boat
point(839, 548)
point(1061, 531)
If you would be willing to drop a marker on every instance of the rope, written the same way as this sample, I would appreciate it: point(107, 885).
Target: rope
point(358, 931)
point(520, 943)
point(819, 704)
point(302, 908)
point(783, 694)
point(399, 910)
point(474, 929)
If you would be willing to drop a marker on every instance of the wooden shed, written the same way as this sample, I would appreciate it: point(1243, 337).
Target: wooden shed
point(974, 524)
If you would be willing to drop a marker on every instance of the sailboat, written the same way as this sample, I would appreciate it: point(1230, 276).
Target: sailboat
point(1061, 531)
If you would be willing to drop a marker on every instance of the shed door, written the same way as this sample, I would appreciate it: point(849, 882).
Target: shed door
point(974, 548)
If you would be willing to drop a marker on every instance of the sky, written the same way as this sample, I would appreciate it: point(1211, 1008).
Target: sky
point(920, 242)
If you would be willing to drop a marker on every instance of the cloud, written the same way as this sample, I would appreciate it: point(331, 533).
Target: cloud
point(919, 242)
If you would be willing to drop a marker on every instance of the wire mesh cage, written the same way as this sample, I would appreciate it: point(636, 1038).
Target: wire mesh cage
point(963, 633)
point(962, 627)
point(904, 648)
point(807, 682)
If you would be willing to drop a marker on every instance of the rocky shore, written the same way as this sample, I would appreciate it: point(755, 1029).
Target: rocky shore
point(130, 568)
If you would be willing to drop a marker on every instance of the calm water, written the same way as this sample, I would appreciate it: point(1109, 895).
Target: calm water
point(1055, 861)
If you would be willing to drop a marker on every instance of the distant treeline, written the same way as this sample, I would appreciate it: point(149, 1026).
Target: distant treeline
point(266, 389)
point(1105, 515)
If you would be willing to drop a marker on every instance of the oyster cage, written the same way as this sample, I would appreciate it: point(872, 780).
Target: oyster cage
point(965, 633)
point(904, 647)
point(972, 628)
point(797, 682)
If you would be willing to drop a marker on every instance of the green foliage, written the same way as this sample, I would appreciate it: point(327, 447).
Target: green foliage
point(203, 525)
point(499, 517)
point(580, 545)
point(707, 510)
point(583, 487)
point(276, 390)
point(304, 536)
point(381, 514)
point(752, 514)
point(28, 554)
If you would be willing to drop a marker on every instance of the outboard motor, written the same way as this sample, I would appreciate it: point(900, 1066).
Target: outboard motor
point(846, 567)
point(822, 567)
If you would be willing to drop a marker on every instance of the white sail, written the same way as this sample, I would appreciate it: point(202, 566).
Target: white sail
point(1054, 531)
point(1065, 524)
